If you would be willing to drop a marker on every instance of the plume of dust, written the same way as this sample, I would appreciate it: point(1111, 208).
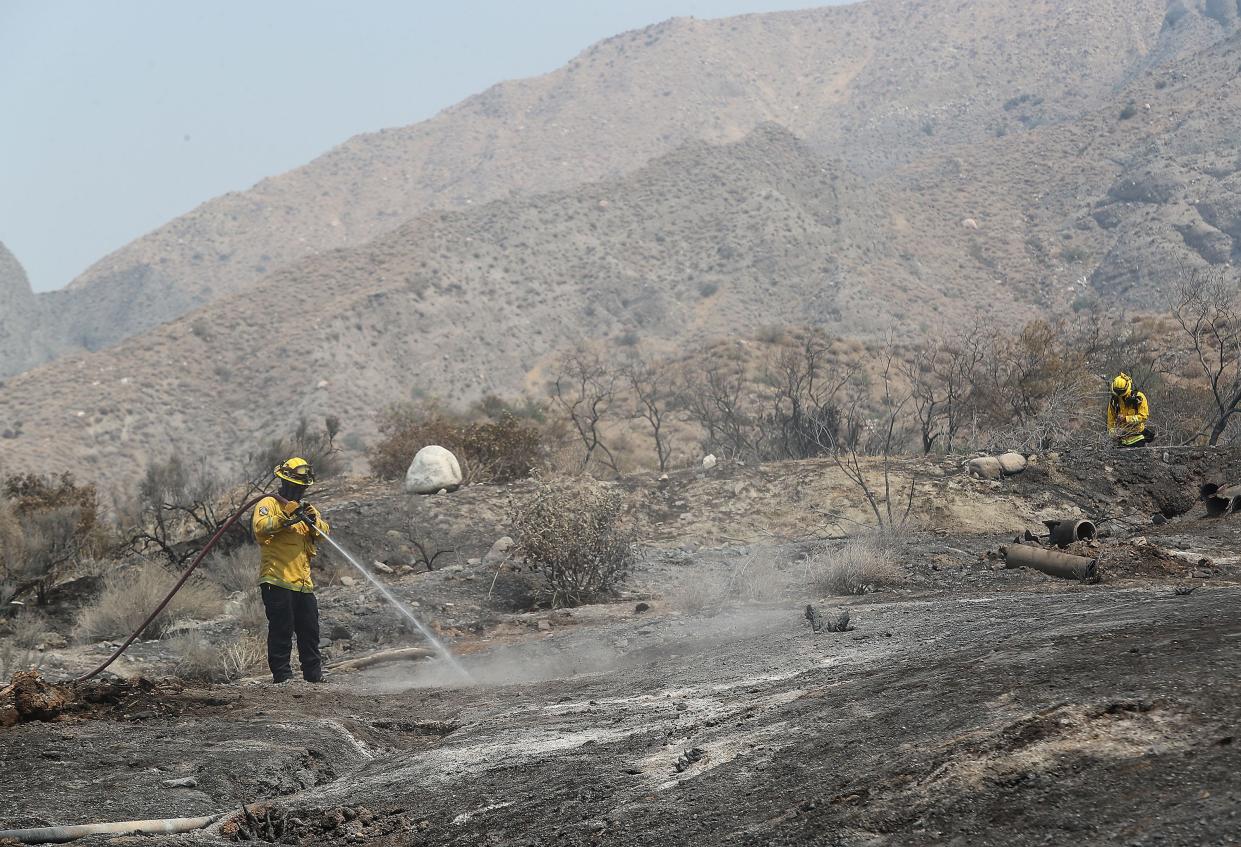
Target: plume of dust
point(710, 600)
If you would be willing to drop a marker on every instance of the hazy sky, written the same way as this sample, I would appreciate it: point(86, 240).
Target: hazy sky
point(118, 115)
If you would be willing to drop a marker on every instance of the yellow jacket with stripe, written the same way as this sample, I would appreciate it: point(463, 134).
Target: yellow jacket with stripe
point(1126, 416)
point(286, 550)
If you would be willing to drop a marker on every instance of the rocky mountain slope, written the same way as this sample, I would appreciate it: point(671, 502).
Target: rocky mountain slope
point(701, 242)
point(875, 84)
point(705, 241)
point(17, 309)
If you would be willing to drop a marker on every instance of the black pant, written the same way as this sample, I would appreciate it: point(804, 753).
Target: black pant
point(289, 612)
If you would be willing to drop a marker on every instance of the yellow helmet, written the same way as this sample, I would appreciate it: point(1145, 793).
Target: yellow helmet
point(1122, 386)
point(296, 470)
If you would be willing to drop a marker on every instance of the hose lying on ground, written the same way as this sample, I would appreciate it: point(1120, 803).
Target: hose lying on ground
point(61, 834)
point(211, 542)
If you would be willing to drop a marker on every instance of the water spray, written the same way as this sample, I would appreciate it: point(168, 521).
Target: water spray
point(440, 648)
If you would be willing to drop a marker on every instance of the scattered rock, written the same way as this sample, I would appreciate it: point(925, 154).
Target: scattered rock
point(183, 782)
point(348, 581)
point(474, 561)
point(834, 620)
point(969, 223)
point(708, 461)
point(381, 567)
point(640, 608)
point(339, 632)
point(434, 469)
point(52, 641)
point(690, 757)
point(545, 626)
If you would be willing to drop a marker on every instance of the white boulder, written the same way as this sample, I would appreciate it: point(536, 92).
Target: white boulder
point(499, 551)
point(1012, 463)
point(708, 461)
point(432, 470)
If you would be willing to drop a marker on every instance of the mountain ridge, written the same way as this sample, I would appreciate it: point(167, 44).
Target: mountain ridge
point(843, 77)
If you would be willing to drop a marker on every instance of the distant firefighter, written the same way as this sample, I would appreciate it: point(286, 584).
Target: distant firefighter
point(1127, 413)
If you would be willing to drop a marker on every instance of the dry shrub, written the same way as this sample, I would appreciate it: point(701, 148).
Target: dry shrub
point(317, 446)
point(753, 577)
point(14, 658)
point(858, 566)
point(47, 524)
point(572, 534)
point(250, 614)
point(200, 660)
point(234, 570)
point(129, 596)
point(502, 449)
point(27, 628)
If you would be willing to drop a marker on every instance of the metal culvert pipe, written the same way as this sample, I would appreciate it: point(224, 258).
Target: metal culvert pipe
point(1051, 562)
point(1221, 499)
point(1064, 533)
point(61, 834)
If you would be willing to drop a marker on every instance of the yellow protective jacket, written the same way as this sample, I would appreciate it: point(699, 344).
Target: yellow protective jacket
point(286, 550)
point(1126, 416)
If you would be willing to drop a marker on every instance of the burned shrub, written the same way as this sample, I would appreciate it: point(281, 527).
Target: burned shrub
point(47, 524)
point(572, 534)
point(492, 450)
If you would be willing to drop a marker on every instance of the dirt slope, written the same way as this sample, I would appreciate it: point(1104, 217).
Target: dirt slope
point(876, 84)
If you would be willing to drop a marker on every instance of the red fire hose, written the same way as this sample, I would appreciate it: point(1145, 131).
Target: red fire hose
point(211, 542)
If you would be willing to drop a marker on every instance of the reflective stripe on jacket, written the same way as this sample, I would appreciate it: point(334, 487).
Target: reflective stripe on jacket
point(286, 550)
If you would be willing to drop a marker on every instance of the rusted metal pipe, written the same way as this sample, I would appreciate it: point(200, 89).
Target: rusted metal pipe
point(1051, 562)
point(61, 834)
point(1221, 499)
point(1064, 533)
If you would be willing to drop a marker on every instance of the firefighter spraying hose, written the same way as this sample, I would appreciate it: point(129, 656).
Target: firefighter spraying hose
point(288, 529)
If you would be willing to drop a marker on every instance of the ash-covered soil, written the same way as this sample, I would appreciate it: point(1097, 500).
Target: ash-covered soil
point(970, 704)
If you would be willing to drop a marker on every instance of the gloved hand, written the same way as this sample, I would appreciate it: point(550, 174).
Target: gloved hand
point(308, 513)
point(303, 514)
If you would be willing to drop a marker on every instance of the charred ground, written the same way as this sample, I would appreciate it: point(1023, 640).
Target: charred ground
point(970, 705)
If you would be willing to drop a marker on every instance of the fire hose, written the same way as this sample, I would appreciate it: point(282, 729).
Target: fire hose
point(211, 542)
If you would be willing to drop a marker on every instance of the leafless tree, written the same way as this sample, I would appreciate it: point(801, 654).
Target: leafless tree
point(714, 397)
point(1205, 308)
point(804, 413)
point(656, 386)
point(181, 504)
point(885, 442)
point(941, 377)
point(585, 388)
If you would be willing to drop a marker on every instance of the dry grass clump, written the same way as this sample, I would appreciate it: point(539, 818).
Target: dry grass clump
point(571, 532)
point(128, 596)
point(236, 570)
point(752, 577)
point(860, 565)
point(200, 660)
